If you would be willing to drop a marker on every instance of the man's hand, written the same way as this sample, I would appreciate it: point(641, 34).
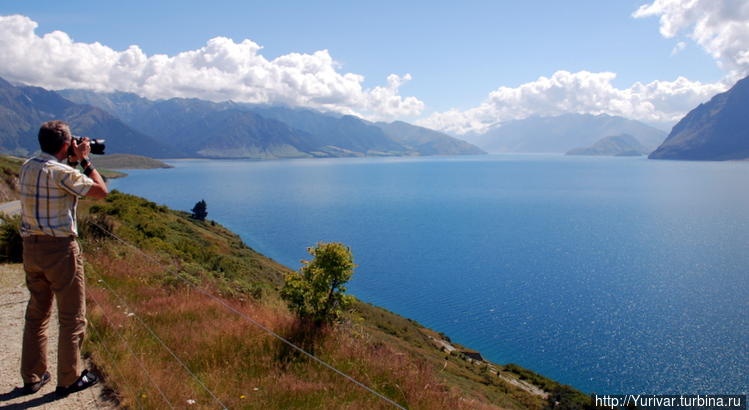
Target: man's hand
point(80, 151)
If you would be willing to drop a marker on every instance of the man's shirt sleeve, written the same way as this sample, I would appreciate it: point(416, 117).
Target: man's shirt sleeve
point(74, 182)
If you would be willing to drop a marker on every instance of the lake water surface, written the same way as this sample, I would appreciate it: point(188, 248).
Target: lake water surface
point(614, 275)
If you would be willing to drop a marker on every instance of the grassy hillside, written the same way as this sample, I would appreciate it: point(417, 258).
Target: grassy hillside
point(155, 294)
point(9, 167)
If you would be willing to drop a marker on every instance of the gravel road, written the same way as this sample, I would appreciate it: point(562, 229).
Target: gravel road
point(11, 208)
point(13, 298)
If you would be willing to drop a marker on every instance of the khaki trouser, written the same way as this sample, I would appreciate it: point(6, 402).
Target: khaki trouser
point(54, 270)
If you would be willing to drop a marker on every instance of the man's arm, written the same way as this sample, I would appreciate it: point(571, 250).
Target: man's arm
point(82, 151)
point(99, 189)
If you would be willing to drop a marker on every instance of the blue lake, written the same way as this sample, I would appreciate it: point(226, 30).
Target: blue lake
point(614, 275)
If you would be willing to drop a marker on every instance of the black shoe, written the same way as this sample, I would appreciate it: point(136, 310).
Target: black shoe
point(31, 388)
point(86, 380)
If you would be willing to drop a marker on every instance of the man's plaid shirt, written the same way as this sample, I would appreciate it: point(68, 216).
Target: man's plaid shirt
point(49, 195)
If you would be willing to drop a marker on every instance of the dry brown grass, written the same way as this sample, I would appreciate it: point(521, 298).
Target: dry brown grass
point(242, 365)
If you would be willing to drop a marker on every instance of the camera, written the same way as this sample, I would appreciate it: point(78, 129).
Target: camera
point(97, 145)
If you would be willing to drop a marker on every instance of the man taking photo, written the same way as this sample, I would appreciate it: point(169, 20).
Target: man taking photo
point(52, 257)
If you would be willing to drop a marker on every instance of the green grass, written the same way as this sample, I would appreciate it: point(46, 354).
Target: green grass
point(198, 245)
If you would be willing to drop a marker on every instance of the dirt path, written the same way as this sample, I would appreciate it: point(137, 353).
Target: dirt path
point(13, 298)
point(11, 207)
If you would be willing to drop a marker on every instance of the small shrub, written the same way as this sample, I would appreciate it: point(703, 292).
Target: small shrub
point(95, 226)
point(316, 292)
point(11, 243)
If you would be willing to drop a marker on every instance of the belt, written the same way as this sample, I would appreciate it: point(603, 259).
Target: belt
point(48, 238)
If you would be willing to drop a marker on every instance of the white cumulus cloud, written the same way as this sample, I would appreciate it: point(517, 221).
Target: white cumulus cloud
point(221, 70)
point(721, 27)
point(580, 92)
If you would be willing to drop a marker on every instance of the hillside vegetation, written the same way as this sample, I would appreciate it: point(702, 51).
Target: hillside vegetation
point(9, 167)
point(169, 281)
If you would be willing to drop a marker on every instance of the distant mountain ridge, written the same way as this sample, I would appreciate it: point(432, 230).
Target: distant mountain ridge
point(715, 130)
point(426, 141)
point(24, 109)
point(563, 133)
point(238, 130)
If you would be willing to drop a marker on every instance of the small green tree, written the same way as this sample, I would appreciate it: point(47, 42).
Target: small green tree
point(199, 211)
point(316, 292)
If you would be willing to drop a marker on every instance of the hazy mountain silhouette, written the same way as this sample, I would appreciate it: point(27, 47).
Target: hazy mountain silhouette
point(565, 132)
point(623, 145)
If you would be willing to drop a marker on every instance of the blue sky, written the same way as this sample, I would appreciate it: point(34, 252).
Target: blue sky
point(456, 53)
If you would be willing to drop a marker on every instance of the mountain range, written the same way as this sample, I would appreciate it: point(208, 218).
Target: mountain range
point(181, 127)
point(23, 109)
point(560, 134)
point(239, 130)
point(715, 130)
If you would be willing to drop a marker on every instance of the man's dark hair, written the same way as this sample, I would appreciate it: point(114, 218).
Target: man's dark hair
point(53, 135)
